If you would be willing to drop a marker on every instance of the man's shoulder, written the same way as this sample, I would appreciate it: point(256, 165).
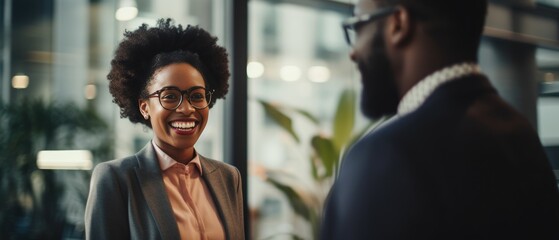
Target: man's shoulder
point(389, 140)
point(388, 134)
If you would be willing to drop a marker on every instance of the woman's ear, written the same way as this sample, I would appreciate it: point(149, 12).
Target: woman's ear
point(400, 27)
point(144, 108)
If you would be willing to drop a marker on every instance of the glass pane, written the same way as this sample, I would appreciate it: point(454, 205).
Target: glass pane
point(206, 14)
point(54, 93)
point(547, 61)
point(299, 65)
point(552, 3)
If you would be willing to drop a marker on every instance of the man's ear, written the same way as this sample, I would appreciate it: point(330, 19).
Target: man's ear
point(144, 108)
point(400, 27)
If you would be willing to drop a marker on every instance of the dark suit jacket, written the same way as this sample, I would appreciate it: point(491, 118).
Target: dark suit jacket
point(464, 165)
point(127, 199)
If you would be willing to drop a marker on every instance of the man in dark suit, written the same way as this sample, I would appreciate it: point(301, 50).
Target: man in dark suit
point(457, 162)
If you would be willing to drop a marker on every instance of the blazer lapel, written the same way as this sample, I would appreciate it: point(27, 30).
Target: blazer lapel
point(153, 189)
point(216, 184)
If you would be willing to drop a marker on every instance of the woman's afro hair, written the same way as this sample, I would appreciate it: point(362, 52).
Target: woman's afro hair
point(133, 64)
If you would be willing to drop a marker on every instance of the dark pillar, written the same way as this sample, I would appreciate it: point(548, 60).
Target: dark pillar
point(236, 141)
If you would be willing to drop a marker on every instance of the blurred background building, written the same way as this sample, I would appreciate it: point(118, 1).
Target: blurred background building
point(293, 86)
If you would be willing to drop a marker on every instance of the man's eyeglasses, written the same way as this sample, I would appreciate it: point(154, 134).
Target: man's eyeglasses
point(352, 24)
point(171, 98)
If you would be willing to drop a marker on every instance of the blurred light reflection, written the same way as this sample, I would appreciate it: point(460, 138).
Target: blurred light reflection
point(20, 81)
point(65, 159)
point(319, 74)
point(290, 73)
point(255, 69)
point(127, 10)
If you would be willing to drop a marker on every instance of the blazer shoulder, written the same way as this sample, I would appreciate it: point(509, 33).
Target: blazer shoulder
point(386, 147)
point(112, 170)
point(381, 139)
point(212, 163)
point(120, 163)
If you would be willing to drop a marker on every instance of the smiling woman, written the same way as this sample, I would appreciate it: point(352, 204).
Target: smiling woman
point(167, 78)
point(177, 124)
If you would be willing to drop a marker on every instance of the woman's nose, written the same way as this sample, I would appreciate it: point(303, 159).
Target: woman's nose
point(185, 106)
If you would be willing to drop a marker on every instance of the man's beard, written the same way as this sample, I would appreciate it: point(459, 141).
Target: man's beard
point(380, 94)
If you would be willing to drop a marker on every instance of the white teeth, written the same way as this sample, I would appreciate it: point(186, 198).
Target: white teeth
point(183, 124)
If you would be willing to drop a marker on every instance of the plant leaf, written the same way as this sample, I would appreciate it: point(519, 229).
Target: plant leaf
point(344, 119)
point(324, 148)
point(281, 119)
point(314, 169)
point(308, 115)
point(294, 199)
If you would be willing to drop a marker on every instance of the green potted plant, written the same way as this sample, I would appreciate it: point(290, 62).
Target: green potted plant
point(30, 206)
point(327, 152)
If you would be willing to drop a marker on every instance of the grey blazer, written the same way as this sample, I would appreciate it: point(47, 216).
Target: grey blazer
point(127, 199)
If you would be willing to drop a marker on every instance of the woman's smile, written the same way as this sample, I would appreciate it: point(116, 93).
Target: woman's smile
point(184, 127)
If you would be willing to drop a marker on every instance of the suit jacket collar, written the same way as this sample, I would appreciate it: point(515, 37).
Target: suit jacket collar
point(217, 185)
point(462, 90)
point(150, 178)
point(151, 182)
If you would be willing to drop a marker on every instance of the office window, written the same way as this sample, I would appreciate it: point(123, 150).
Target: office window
point(298, 60)
point(56, 57)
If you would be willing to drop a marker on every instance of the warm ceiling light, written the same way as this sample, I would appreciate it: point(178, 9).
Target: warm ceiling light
point(255, 69)
point(127, 10)
point(90, 91)
point(20, 81)
point(319, 74)
point(65, 159)
point(290, 73)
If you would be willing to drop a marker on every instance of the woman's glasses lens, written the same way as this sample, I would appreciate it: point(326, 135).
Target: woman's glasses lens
point(171, 98)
